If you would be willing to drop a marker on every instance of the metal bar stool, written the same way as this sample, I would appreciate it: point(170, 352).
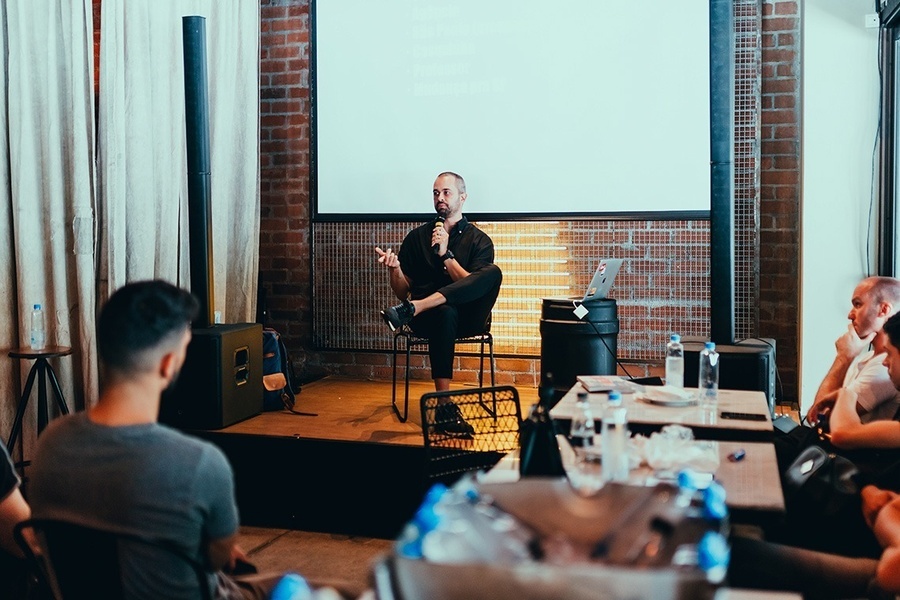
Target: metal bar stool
point(43, 372)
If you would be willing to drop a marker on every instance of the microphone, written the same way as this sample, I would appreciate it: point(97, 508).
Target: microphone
point(438, 222)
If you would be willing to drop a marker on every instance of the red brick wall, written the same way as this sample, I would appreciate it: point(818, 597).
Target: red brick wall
point(779, 214)
point(284, 244)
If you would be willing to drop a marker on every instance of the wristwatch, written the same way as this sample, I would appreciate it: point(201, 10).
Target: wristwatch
point(448, 256)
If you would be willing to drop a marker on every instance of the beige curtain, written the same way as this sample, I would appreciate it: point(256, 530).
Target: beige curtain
point(46, 195)
point(142, 161)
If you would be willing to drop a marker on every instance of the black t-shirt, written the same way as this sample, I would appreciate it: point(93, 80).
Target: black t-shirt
point(472, 247)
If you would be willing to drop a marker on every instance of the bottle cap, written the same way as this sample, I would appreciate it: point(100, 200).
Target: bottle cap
point(675, 337)
point(582, 396)
point(615, 397)
point(37, 307)
point(710, 345)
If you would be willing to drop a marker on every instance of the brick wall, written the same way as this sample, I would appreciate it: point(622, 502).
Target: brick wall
point(284, 245)
point(779, 217)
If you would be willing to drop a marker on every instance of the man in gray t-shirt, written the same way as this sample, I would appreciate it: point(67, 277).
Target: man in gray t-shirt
point(113, 467)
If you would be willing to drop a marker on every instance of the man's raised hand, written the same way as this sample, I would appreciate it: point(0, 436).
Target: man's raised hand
point(387, 258)
point(850, 345)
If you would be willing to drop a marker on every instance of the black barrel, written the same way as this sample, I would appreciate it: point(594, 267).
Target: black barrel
point(571, 346)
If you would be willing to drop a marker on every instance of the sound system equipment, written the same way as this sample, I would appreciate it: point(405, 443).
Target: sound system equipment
point(744, 365)
point(221, 380)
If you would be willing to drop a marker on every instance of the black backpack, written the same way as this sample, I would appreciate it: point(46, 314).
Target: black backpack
point(278, 381)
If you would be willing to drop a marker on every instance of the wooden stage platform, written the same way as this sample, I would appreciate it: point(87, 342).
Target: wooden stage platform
point(354, 468)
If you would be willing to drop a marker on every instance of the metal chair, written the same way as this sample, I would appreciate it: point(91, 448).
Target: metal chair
point(76, 561)
point(449, 455)
point(411, 340)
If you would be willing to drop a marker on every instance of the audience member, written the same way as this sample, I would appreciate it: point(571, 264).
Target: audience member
point(13, 510)
point(114, 467)
point(858, 363)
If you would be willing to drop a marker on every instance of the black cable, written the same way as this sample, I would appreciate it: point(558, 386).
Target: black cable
point(608, 349)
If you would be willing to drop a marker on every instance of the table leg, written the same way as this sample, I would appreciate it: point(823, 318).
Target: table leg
point(20, 411)
point(43, 417)
point(57, 390)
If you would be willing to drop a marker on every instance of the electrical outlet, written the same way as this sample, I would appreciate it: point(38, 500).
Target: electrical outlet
point(871, 21)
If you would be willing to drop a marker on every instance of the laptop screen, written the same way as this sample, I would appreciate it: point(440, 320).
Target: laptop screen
point(603, 279)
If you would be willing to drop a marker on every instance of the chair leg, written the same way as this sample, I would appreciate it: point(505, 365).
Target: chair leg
point(401, 417)
point(490, 343)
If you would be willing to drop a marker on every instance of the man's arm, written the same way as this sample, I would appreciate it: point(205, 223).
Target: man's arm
point(399, 282)
point(220, 552)
point(847, 431)
point(848, 347)
point(13, 510)
point(881, 508)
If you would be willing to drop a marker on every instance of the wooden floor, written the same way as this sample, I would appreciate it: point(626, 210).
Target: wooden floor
point(352, 411)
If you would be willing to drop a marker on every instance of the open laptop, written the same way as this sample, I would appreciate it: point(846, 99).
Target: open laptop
point(603, 278)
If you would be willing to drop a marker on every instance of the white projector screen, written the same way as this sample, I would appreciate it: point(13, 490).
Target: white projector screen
point(580, 107)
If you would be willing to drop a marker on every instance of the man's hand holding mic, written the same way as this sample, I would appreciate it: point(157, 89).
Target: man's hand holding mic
point(439, 237)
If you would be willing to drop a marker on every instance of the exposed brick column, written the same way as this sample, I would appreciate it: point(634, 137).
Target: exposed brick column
point(284, 246)
point(780, 187)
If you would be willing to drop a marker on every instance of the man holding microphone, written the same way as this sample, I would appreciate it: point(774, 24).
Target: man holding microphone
point(447, 282)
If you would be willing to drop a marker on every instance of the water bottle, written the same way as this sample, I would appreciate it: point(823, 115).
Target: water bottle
point(614, 439)
point(291, 587)
point(581, 434)
point(675, 361)
point(586, 474)
point(708, 380)
point(38, 331)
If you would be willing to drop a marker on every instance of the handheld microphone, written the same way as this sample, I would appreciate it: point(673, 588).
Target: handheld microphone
point(439, 222)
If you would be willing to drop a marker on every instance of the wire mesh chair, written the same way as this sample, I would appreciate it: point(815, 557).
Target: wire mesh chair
point(411, 340)
point(449, 454)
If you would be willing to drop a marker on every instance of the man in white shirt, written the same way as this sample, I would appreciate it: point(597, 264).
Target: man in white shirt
point(858, 365)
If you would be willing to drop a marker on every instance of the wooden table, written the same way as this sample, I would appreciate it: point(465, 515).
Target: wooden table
point(752, 485)
point(706, 423)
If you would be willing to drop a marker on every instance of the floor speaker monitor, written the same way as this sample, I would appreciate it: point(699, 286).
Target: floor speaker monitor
point(221, 381)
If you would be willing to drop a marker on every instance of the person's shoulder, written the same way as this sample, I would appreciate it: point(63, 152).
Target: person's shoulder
point(185, 445)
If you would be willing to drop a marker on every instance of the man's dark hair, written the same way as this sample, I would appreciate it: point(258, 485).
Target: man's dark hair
point(141, 317)
point(460, 182)
point(892, 329)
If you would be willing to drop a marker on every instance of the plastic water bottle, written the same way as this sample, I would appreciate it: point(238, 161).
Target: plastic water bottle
point(614, 439)
point(675, 361)
point(708, 380)
point(291, 587)
point(38, 330)
point(582, 430)
point(586, 474)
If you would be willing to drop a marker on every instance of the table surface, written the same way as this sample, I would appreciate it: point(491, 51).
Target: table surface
point(751, 484)
point(47, 352)
point(694, 416)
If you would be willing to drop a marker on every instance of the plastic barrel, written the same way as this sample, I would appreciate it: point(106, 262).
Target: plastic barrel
point(571, 346)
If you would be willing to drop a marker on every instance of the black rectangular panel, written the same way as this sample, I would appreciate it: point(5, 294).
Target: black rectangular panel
point(221, 381)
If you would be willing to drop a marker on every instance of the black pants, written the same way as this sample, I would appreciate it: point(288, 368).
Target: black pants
point(469, 304)
point(760, 565)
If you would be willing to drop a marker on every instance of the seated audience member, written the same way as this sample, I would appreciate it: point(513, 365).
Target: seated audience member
point(762, 565)
point(13, 510)
point(858, 365)
point(756, 564)
point(114, 467)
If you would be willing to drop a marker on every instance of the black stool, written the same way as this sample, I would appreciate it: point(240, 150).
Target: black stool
point(43, 372)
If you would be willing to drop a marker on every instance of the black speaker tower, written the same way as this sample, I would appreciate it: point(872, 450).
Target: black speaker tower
point(221, 381)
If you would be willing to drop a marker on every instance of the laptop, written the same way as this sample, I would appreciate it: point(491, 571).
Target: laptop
point(603, 278)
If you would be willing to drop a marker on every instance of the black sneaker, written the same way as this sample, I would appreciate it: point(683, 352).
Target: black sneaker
point(448, 419)
point(398, 316)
